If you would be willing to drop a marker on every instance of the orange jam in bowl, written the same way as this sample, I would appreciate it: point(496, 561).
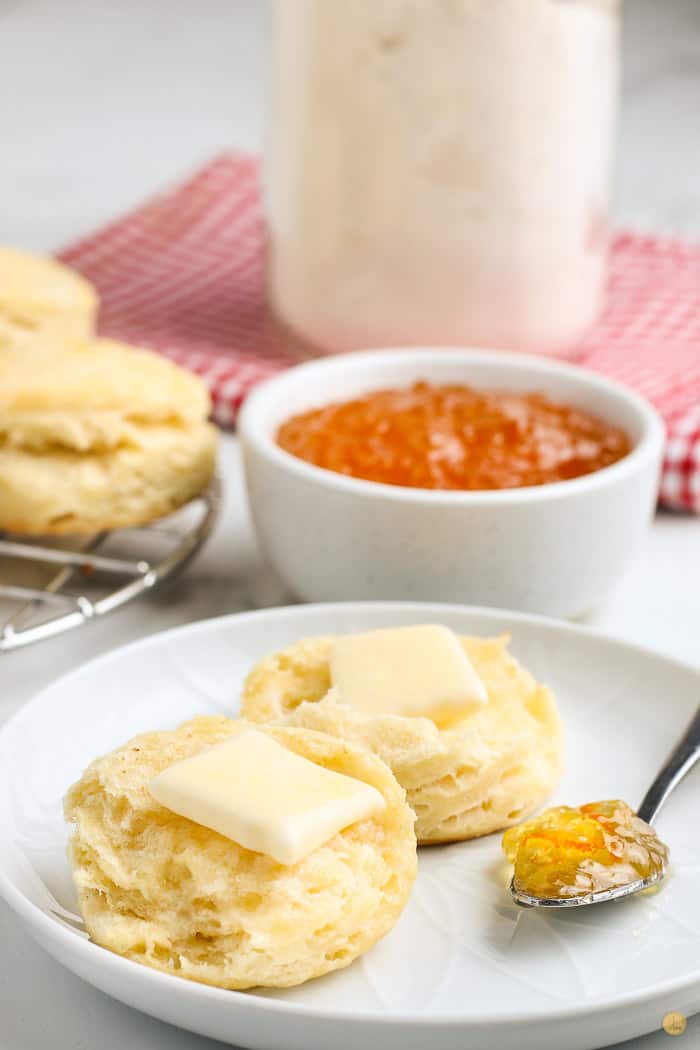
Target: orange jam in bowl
point(454, 437)
point(571, 852)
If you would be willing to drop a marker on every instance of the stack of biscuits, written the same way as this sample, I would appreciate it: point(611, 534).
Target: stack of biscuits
point(94, 434)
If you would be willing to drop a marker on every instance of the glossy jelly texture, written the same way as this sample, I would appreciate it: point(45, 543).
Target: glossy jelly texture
point(571, 852)
point(454, 437)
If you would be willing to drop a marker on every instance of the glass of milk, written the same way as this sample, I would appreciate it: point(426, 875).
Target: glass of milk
point(438, 171)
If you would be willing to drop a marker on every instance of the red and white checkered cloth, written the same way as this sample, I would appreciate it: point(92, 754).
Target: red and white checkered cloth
point(183, 274)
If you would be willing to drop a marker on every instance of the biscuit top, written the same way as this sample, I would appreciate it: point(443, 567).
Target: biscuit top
point(27, 280)
point(265, 797)
point(91, 395)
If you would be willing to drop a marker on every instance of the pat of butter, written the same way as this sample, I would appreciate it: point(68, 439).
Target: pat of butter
point(410, 671)
point(264, 796)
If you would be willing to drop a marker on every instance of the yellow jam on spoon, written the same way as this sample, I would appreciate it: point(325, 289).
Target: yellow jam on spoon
point(571, 851)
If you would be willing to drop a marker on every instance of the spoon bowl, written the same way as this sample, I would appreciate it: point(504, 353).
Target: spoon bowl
point(614, 893)
point(681, 760)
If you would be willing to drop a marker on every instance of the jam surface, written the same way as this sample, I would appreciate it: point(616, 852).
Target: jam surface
point(454, 437)
point(571, 852)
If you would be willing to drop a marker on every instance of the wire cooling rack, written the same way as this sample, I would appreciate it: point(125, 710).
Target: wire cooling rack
point(48, 588)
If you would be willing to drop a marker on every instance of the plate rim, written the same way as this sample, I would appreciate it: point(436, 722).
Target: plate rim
point(37, 920)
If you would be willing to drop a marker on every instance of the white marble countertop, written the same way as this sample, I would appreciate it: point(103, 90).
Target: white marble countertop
point(103, 103)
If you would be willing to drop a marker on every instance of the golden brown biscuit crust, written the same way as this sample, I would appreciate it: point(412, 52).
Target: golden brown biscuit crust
point(98, 435)
point(64, 492)
point(41, 297)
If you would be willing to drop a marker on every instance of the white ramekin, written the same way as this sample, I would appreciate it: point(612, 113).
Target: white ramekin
point(554, 549)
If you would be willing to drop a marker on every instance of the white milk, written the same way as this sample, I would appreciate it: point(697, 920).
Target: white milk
point(438, 170)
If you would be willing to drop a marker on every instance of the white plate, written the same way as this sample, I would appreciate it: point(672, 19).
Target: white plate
point(463, 968)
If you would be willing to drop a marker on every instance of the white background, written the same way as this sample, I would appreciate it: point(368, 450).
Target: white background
point(104, 101)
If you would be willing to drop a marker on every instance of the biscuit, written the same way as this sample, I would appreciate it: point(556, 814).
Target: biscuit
point(482, 774)
point(162, 890)
point(63, 492)
point(97, 435)
point(41, 297)
point(92, 395)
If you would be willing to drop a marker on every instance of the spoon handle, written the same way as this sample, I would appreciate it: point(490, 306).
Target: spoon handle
point(683, 757)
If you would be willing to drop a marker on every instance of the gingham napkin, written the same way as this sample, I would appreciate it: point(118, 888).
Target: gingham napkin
point(183, 274)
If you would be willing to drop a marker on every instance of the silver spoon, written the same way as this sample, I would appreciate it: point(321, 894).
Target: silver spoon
point(682, 759)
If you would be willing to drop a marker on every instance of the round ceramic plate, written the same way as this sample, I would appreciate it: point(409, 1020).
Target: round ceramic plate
point(464, 968)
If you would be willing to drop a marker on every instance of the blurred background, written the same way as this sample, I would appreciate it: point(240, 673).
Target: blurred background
point(103, 102)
